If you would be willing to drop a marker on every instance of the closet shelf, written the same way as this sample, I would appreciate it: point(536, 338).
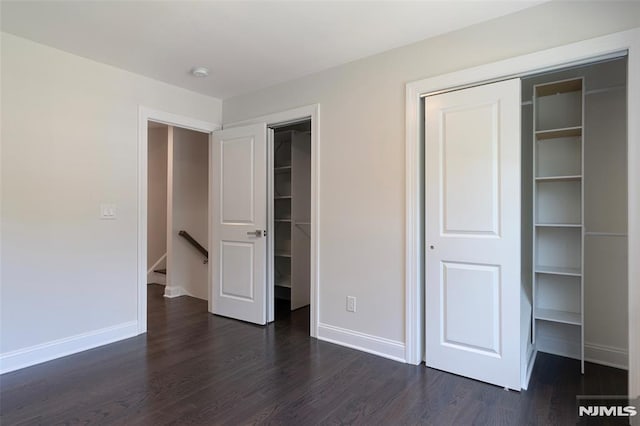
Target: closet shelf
point(565, 132)
point(282, 197)
point(282, 253)
point(558, 270)
point(557, 87)
point(558, 178)
point(282, 220)
point(558, 316)
point(559, 225)
point(282, 169)
point(283, 282)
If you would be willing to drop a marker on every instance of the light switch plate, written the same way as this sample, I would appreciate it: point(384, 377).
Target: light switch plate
point(108, 211)
point(351, 304)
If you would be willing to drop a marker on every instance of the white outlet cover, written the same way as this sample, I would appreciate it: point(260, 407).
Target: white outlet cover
point(108, 211)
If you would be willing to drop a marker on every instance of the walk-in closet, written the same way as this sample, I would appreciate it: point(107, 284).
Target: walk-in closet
point(291, 213)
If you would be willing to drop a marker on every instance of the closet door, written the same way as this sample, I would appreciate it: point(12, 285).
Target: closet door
point(472, 146)
point(239, 220)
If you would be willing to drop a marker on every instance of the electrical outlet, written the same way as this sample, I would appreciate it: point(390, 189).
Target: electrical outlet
point(351, 304)
point(108, 211)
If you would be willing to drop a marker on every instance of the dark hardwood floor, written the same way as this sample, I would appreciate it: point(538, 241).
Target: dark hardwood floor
point(196, 368)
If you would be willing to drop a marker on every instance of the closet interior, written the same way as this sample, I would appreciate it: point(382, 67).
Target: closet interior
point(291, 214)
point(574, 211)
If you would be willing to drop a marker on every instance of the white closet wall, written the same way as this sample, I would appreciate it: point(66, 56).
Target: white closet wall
point(301, 219)
point(606, 263)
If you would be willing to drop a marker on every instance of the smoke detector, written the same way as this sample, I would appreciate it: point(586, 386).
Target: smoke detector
point(200, 71)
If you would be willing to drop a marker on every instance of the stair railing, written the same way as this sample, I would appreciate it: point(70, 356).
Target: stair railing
point(194, 243)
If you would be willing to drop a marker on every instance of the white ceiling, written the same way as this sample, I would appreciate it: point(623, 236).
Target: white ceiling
point(247, 45)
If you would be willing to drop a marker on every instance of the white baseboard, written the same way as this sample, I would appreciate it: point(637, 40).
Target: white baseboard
point(174, 291)
point(386, 348)
point(606, 355)
point(37, 354)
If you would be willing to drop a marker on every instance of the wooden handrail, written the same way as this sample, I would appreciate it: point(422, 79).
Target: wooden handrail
point(193, 242)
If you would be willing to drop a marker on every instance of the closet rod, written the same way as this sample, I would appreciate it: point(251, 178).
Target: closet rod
point(606, 234)
point(604, 90)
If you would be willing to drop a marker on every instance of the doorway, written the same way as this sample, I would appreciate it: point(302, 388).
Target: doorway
point(177, 210)
point(244, 234)
point(289, 219)
point(194, 139)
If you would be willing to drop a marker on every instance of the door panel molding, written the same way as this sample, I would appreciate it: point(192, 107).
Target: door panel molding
point(449, 335)
point(454, 190)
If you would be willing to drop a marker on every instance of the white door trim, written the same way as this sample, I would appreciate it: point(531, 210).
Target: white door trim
point(144, 115)
point(290, 116)
point(522, 65)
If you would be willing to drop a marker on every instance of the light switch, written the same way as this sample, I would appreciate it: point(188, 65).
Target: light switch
point(107, 211)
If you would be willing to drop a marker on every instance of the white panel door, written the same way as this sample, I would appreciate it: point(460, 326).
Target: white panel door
point(239, 217)
point(472, 146)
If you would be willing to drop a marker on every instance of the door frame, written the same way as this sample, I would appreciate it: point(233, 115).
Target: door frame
point(144, 116)
point(278, 119)
point(558, 57)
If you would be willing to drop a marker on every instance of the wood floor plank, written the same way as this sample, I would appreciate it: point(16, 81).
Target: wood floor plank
point(195, 368)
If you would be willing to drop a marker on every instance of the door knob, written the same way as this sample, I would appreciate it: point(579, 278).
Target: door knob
point(256, 233)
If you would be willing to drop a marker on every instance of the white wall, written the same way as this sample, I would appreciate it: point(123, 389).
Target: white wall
point(187, 274)
point(69, 135)
point(156, 194)
point(362, 146)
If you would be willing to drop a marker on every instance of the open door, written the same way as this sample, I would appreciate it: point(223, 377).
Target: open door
point(473, 232)
point(239, 216)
